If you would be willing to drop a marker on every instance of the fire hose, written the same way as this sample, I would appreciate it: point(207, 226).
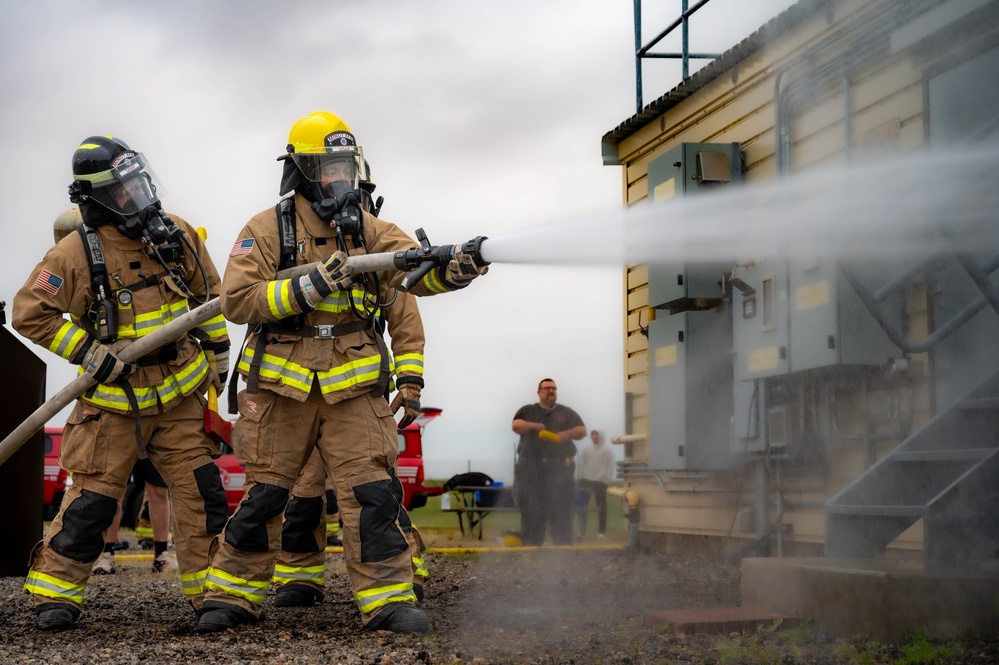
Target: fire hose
point(418, 260)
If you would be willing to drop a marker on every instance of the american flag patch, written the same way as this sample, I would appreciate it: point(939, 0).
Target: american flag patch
point(49, 282)
point(242, 247)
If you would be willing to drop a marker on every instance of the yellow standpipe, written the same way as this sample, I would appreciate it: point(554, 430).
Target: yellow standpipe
point(630, 505)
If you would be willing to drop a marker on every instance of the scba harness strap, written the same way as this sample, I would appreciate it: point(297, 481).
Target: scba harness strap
point(101, 320)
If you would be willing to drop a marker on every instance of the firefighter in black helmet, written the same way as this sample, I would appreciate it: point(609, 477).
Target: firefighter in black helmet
point(128, 270)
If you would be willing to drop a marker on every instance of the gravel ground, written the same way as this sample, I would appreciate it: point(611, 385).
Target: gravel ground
point(541, 606)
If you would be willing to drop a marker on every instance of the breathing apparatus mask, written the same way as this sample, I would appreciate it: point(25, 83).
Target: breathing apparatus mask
point(125, 195)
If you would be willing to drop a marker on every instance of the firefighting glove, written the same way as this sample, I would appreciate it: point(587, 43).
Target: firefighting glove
point(408, 398)
point(548, 435)
point(462, 269)
point(218, 361)
point(333, 274)
point(101, 363)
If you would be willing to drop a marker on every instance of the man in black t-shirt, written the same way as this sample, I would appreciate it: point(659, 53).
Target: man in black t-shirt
point(544, 469)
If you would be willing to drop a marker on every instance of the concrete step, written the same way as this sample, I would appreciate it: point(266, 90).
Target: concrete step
point(886, 600)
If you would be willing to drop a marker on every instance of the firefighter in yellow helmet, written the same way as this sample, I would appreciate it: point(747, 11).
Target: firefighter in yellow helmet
point(129, 269)
point(316, 369)
point(299, 574)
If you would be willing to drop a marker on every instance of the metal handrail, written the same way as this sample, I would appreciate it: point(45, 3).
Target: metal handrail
point(642, 51)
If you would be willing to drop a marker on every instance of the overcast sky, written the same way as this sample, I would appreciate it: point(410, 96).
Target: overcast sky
point(478, 118)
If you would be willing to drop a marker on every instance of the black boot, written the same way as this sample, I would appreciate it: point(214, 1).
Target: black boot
point(401, 618)
point(217, 617)
point(56, 616)
point(297, 595)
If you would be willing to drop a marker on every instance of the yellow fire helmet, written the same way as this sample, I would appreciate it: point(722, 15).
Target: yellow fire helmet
point(319, 144)
point(67, 222)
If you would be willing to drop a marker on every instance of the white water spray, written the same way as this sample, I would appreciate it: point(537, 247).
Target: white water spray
point(904, 207)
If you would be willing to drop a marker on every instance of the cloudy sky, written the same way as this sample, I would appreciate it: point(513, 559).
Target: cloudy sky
point(478, 118)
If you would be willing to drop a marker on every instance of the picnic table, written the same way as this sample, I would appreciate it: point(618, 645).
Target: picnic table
point(474, 502)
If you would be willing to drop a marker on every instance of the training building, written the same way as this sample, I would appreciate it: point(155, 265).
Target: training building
point(805, 404)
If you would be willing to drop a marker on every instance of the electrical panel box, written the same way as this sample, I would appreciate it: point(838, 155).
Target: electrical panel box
point(760, 322)
point(829, 324)
point(797, 314)
point(690, 168)
point(690, 338)
point(690, 391)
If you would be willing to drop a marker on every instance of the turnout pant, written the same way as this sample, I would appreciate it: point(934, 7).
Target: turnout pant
point(357, 438)
point(99, 449)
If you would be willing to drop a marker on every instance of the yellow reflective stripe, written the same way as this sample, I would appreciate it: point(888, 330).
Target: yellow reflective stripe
point(339, 301)
point(42, 584)
point(288, 574)
point(279, 298)
point(147, 322)
point(409, 362)
point(371, 599)
point(350, 374)
point(194, 583)
point(279, 369)
point(420, 567)
point(174, 385)
point(236, 586)
point(143, 532)
point(333, 527)
point(274, 368)
point(67, 339)
point(433, 284)
point(214, 327)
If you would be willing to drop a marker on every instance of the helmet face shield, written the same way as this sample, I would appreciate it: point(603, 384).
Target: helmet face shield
point(332, 170)
point(125, 189)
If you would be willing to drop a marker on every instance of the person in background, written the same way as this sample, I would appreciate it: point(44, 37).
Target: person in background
point(596, 468)
point(144, 474)
point(544, 470)
point(130, 269)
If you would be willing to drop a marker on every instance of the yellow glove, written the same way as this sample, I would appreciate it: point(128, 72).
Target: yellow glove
point(547, 435)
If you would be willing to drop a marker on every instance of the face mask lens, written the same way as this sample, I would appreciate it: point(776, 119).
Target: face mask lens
point(131, 196)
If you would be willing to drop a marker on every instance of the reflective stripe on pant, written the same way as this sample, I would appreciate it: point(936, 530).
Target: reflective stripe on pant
point(99, 450)
point(303, 536)
point(358, 438)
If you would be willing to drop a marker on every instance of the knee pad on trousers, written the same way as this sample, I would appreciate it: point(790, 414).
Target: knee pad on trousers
point(397, 492)
point(380, 538)
point(213, 495)
point(332, 507)
point(247, 528)
point(301, 519)
point(83, 522)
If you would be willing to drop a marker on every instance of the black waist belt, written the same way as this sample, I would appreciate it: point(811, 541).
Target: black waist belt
point(158, 357)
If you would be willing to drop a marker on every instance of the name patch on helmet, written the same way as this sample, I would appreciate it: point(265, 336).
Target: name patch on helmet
point(121, 158)
point(339, 140)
